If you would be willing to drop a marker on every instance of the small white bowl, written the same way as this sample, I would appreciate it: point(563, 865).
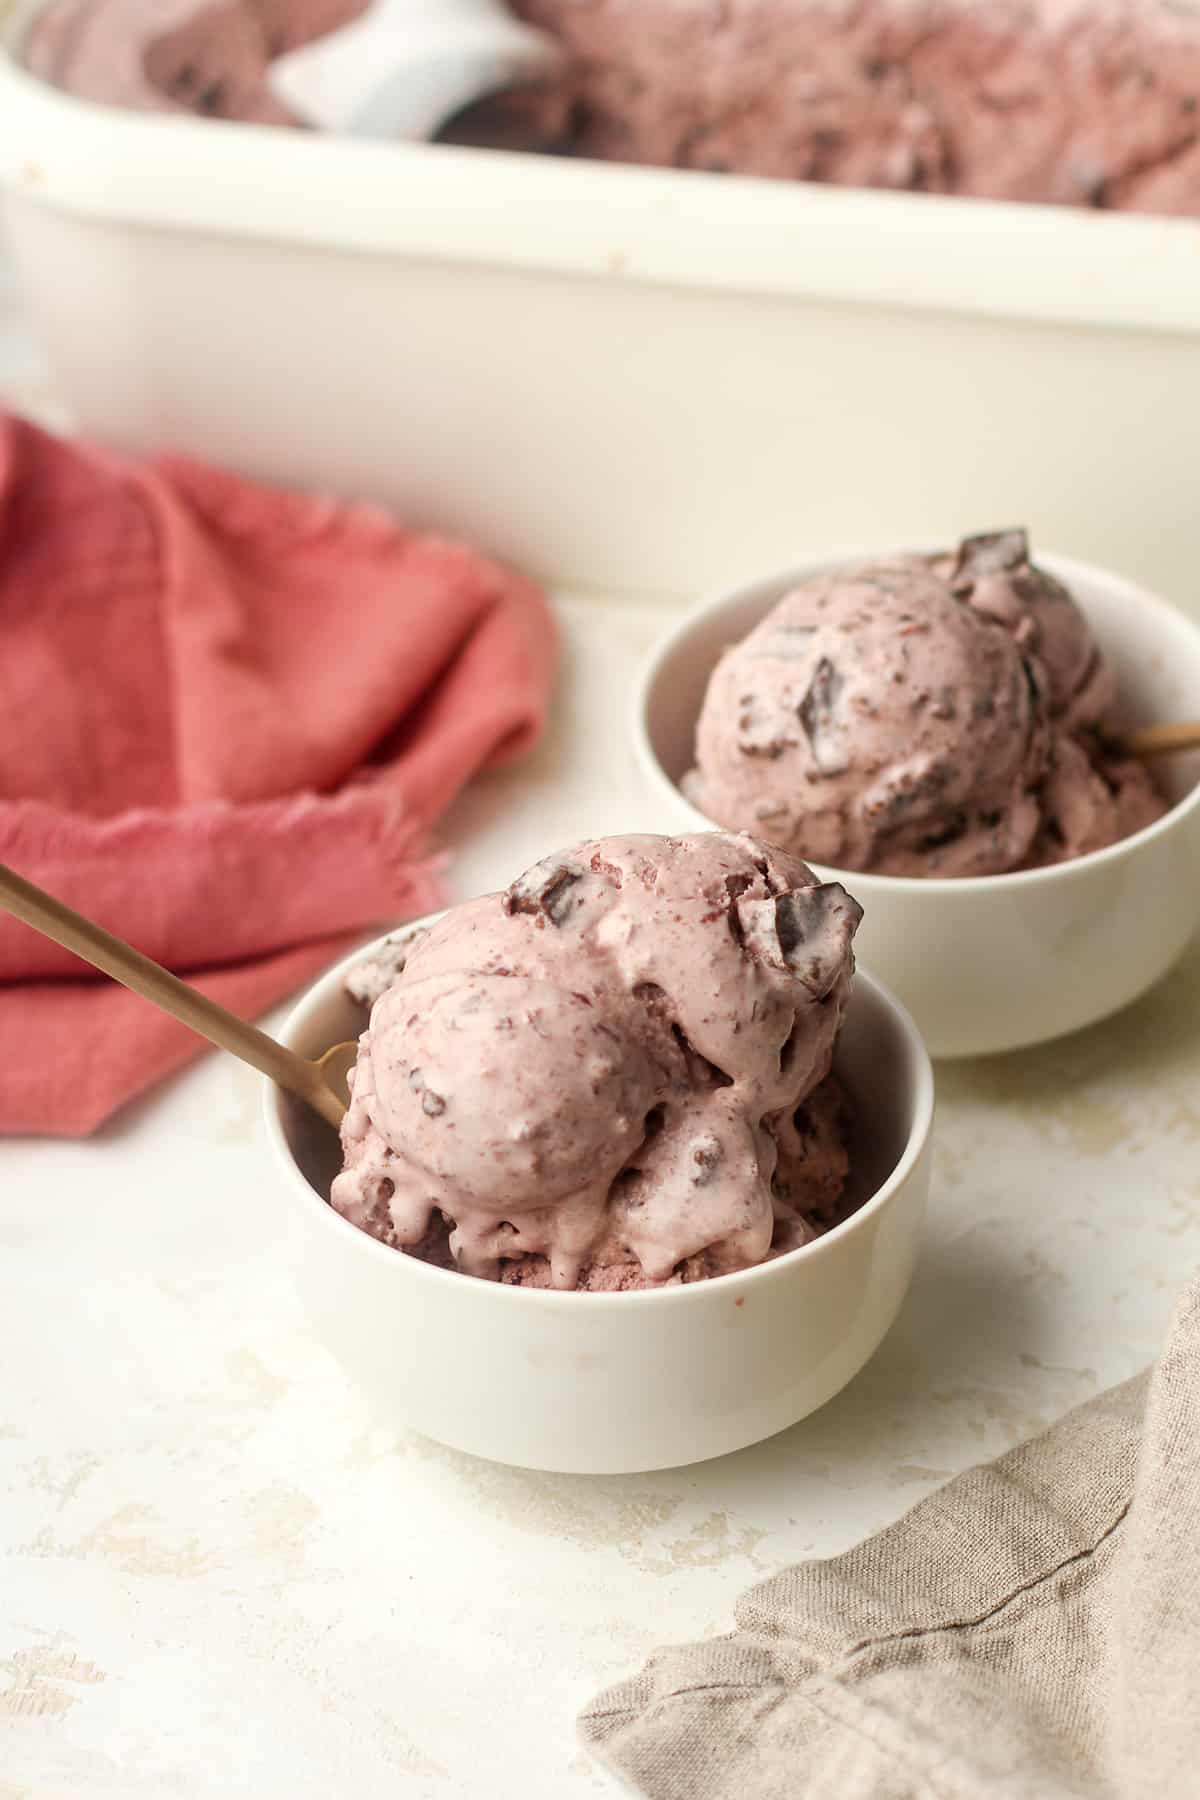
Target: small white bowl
point(998, 962)
point(615, 1383)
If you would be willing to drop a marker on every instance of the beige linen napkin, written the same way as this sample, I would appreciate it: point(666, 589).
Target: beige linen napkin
point(1033, 1629)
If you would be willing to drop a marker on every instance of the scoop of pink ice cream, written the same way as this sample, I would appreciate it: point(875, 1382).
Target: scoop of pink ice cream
point(928, 716)
point(602, 1067)
point(874, 720)
point(809, 1195)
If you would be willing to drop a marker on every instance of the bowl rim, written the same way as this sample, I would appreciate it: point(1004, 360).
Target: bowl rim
point(1149, 603)
point(916, 1142)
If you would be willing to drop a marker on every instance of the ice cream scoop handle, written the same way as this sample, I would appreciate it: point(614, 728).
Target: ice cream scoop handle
point(114, 957)
point(1162, 740)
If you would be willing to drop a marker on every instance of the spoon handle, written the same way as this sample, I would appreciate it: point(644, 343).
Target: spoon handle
point(125, 964)
point(1162, 740)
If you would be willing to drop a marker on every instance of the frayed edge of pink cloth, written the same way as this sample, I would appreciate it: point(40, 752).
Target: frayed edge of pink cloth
point(77, 1047)
point(233, 713)
point(56, 1036)
point(204, 875)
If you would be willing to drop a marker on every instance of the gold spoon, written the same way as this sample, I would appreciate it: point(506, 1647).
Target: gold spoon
point(1161, 740)
point(312, 1081)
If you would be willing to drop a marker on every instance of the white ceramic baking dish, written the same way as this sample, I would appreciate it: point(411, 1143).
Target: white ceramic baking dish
point(624, 378)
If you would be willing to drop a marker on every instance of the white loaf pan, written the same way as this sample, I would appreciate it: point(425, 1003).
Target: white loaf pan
point(620, 378)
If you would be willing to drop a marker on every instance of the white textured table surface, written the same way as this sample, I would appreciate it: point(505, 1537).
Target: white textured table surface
point(221, 1576)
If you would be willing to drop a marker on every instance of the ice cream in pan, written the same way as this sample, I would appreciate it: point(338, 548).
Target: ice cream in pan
point(1084, 102)
point(921, 716)
point(613, 1075)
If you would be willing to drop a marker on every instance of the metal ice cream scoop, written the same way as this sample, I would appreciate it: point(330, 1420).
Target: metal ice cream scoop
point(321, 1082)
point(405, 67)
point(1161, 740)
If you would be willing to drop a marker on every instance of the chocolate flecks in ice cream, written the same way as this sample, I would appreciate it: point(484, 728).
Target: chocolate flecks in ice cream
point(613, 1075)
point(921, 715)
point(1089, 103)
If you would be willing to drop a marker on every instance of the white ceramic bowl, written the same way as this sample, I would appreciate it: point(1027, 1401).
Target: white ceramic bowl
point(614, 1383)
point(1004, 961)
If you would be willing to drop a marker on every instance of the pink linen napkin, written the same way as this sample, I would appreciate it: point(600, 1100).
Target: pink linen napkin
point(228, 717)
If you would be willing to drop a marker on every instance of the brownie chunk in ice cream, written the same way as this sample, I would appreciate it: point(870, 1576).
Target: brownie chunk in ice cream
point(615, 1074)
point(921, 716)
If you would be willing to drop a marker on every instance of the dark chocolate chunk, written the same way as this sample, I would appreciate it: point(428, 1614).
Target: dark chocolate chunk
point(544, 889)
point(989, 553)
point(431, 1103)
point(735, 887)
point(807, 931)
point(896, 806)
point(816, 714)
point(775, 879)
point(807, 915)
point(372, 977)
point(1032, 682)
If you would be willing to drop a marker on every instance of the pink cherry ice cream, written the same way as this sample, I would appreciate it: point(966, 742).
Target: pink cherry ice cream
point(1090, 103)
point(921, 716)
point(614, 1074)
